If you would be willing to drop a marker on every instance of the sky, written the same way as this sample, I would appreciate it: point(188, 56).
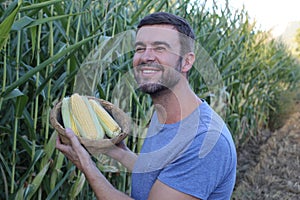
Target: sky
point(271, 14)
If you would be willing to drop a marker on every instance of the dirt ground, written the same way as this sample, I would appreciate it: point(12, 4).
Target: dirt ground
point(269, 164)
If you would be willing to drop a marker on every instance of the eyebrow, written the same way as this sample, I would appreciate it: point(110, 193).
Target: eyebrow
point(156, 43)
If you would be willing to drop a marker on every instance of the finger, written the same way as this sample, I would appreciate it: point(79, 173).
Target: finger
point(71, 135)
point(69, 132)
point(60, 146)
point(122, 145)
point(58, 142)
point(73, 138)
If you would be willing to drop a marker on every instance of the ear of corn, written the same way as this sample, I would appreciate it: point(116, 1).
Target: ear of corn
point(65, 112)
point(74, 126)
point(85, 118)
point(67, 116)
point(111, 127)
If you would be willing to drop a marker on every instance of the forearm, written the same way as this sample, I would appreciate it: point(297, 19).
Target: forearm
point(75, 152)
point(126, 157)
point(100, 185)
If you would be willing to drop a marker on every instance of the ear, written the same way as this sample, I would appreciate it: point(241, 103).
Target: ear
point(187, 62)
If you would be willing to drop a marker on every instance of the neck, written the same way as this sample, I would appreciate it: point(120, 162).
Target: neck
point(176, 104)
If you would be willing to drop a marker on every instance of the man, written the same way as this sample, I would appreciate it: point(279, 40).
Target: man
point(188, 152)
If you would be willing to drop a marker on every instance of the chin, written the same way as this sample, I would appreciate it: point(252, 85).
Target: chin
point(152, 88)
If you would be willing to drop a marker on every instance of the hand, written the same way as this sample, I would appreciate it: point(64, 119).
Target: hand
point(105, 146)
point(74, 151)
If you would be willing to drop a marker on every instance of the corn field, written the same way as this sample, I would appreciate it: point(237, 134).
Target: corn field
point(49, 47)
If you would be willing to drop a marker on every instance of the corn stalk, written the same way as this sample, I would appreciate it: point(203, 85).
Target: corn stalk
point(44, 50)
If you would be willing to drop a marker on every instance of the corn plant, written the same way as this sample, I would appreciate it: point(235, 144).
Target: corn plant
point(47, 45)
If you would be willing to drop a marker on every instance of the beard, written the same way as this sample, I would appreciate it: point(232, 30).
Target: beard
point(169, 78)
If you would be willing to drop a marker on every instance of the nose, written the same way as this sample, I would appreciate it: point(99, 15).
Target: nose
point(148, 55)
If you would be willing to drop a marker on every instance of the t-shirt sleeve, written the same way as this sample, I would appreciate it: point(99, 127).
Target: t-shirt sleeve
point(201, 177)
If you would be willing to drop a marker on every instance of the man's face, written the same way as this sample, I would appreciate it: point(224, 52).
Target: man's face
point(156, 61)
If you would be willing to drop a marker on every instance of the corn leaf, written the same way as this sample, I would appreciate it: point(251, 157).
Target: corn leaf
point(77, 187)
point(35, 184)
point(44, 64)
point(6, 25)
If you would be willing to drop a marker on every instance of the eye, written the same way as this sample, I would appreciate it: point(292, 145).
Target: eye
point(140, 49)
point(160, 48)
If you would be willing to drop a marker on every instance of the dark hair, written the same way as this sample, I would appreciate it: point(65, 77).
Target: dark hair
point(181, 25)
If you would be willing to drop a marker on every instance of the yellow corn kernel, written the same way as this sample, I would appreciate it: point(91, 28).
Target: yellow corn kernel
point(85, 118)
point(111, 127)
point(73, 126)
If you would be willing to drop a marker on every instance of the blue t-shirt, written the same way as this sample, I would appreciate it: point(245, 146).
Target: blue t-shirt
point(196, 156)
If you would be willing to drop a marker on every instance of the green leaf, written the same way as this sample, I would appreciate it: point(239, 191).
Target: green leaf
point(49, 149)
point(39, 5)
point(43, 65)
point(48, 19)
point(33, 187)
point(13, 94)
point(33, 31)
point(6, 164)
point(60, 183)
point(6, 25)
point(77, 187)
point(57, 172)
point(20, 193)
point(20, 105)
point(21, 23)
point(25, 143)
point(38, 155)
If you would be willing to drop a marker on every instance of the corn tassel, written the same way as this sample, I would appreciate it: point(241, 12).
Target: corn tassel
point(85, 118)
point(111, 127)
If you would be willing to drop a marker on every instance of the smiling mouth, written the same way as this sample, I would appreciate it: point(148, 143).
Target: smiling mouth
point(149, 71)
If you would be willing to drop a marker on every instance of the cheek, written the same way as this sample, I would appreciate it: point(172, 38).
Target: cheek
point(135, 60)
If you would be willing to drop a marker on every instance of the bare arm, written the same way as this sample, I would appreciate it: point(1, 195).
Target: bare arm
point(82, 160)
point(163, 192)
point(101, 186)
point(122, 154)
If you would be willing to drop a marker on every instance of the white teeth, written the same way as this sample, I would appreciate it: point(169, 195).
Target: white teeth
point(149, 71)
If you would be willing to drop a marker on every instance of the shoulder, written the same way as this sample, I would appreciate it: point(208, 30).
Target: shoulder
point(212, 131)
